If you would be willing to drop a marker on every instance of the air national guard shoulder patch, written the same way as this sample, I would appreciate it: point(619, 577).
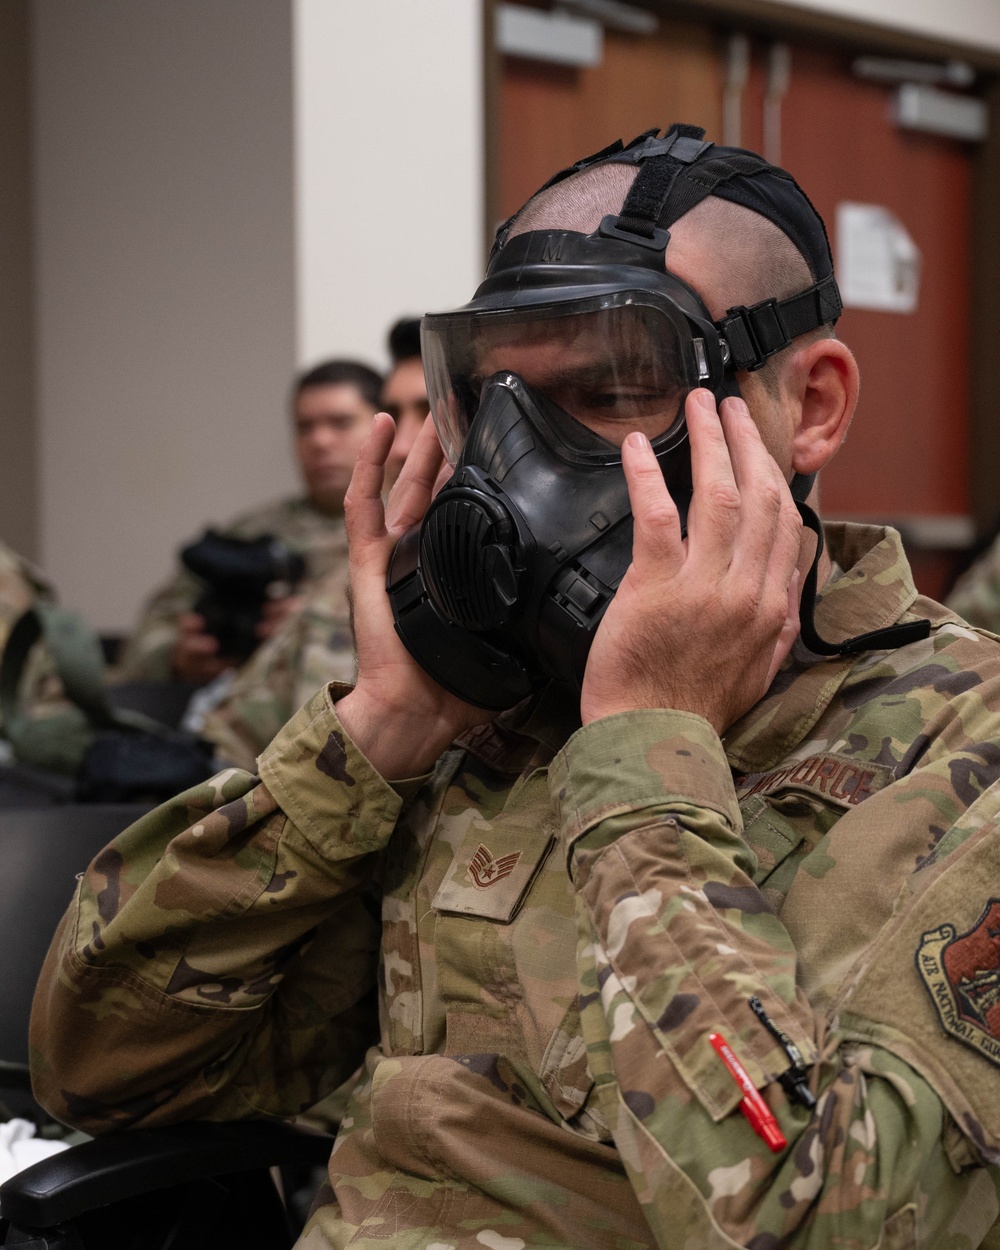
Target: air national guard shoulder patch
point(962, 974)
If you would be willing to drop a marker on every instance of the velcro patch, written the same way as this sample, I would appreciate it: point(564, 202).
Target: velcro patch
point(829, 776)
point(961, 972)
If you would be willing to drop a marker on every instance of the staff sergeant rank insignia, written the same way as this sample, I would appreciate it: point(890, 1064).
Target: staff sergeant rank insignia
point(486, 871)
point(962, 976)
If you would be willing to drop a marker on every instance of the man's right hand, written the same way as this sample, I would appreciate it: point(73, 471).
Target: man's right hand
point(396, 715)
point(195, 657)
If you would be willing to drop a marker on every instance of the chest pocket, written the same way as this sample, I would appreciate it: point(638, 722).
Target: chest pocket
point(494, 868)
point(787, 813)
point(505, 952)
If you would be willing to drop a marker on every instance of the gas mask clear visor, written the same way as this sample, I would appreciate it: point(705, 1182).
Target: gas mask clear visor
point(606, 365)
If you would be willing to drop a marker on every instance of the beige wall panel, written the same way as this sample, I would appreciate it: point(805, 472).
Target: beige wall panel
point(389, 166)
point(165, 281)
point(18, 453)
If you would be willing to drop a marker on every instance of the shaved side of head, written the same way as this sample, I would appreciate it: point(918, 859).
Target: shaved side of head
point(744, 258)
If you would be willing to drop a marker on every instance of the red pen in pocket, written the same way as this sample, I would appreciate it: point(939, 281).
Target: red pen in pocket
point(752, 1105)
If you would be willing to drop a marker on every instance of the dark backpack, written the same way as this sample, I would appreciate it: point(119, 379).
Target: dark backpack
point(114, 755)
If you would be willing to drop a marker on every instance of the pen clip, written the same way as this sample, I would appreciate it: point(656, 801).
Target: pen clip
point(795, 1081)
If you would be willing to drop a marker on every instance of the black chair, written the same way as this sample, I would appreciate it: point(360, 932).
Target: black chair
point(41, 853)
point(183, 1187)
point(23, 786)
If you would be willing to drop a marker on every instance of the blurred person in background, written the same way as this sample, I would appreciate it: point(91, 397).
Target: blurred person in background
point(22, 586)
point(333, 405)
point(315, 644)
point(46, 655)
point(976, 594)
point(404, 393)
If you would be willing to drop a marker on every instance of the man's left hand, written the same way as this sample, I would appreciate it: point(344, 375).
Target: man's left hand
point(701, 624)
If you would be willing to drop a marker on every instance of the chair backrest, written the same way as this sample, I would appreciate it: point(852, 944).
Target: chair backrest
point(164, 701)
point(23, 786)
point(42, 851)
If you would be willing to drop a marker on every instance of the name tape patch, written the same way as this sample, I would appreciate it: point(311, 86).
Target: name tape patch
point(829, 776)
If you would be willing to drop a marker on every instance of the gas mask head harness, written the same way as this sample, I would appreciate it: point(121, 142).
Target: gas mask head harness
point(572, 341)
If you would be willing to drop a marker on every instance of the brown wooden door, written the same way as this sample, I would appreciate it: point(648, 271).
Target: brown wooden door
point(908, 449)
point(550, 116)
point(907, 454)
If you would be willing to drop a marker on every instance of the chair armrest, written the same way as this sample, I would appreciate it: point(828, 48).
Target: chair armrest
point(140, 1161)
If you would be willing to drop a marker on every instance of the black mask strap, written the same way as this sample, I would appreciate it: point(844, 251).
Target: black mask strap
point(757, 333)
point(612, 150)
point(886, 639)
point(665, 159)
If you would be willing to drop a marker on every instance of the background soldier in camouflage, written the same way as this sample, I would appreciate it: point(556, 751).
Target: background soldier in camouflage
point(976, 595)
point(576, 894)
point(20, 585)
point(333, 406)
point(40, 691)
point(315, 645)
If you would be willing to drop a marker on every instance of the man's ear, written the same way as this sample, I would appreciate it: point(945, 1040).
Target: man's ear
point(823, 380)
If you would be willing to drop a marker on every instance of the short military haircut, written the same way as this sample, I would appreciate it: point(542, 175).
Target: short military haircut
point(757, 259)
point(761, 261)
point(404, 340)
point(364, 379)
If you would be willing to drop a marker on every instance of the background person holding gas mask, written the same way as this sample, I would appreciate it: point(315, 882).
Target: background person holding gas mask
point(333, 404)
point(315, 644)
point(731, 846)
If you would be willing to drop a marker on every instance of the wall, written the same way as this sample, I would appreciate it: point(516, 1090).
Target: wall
point(389, 166)
point(164, 281)
point(18, 462)
point(224, 191)
point(974, 22)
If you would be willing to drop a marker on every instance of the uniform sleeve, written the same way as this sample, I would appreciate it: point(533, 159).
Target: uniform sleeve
point(311, 649)
point(219, 958)
point(675, 938)
point(146, 654)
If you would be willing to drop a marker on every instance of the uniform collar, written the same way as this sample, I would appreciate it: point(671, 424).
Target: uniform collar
point(871, 587)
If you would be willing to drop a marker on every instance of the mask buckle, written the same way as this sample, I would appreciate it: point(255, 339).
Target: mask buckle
point(609, 229)
point(754, 334)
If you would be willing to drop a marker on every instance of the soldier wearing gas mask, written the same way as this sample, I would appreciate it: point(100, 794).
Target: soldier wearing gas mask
point(682, 823)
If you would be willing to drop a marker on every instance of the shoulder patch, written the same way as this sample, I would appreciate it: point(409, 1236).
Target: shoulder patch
point(961, 972)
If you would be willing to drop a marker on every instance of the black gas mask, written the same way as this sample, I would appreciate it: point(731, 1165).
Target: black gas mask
point(572, 342)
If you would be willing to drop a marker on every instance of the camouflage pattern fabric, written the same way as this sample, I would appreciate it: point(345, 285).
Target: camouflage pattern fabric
point(976, 595)
point(321, 539)
point(566, 914)
point(314, 647)
point(20, 585)
point(40, 692)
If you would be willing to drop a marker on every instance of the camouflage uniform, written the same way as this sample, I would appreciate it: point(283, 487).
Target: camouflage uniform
point(321, 539)
point(314, 647)
point(566, 915)
point(40, 692)
point(20, 585)
point(976, 595)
